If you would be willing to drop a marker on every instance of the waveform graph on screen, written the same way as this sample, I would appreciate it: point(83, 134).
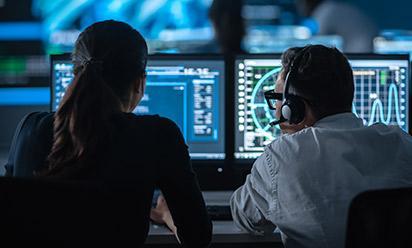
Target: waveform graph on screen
point(381, 95)
point(253, 115)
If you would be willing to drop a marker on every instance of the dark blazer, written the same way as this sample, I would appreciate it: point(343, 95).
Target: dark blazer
point(143, 151)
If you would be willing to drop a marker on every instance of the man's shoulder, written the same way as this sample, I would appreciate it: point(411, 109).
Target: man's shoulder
point(294, 138)
point(288, 145)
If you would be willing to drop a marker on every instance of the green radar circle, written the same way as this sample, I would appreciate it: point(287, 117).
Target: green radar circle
point(260, 112)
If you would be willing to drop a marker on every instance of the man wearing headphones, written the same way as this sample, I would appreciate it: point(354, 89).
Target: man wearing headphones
point(304, 181)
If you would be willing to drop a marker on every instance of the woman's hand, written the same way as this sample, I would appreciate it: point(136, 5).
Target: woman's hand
point(161, 215)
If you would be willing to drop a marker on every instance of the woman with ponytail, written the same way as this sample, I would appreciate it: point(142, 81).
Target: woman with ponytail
point(94, 137)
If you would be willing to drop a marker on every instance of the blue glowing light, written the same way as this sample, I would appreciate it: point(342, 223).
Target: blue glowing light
point(25, 96)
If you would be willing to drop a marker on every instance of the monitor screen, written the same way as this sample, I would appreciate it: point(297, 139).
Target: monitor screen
point(254, 76)
point(381, 95)
point(24, 80)
point(381, 90)
point(187, 90)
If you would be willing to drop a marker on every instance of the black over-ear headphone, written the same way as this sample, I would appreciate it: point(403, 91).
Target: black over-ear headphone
point(293, 106)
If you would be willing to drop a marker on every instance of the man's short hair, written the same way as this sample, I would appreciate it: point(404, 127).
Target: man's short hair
point(323, 77)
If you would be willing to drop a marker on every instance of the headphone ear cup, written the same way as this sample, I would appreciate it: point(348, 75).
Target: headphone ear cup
point(293, 110)
point(286, 111)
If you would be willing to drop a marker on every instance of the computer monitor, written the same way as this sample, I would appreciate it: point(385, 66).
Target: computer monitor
point(386, 46)
point(187, 89)
point(260, 40)
point(382, 85)
point(381, 95)
point(24, 80)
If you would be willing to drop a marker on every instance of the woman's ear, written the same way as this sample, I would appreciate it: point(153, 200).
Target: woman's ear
point(142, 85)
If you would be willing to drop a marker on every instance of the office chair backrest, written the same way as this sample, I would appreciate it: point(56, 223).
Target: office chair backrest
point(380, 218)
point(44, 213)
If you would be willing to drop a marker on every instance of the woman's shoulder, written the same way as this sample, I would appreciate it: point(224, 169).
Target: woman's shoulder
point(156, 120)
point(156, 127)
point(37, 120)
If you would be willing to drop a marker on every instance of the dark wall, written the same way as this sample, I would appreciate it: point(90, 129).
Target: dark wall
point(393, 14)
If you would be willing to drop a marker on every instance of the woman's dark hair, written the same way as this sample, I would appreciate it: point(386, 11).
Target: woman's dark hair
point(109, 57)
point(324, 77)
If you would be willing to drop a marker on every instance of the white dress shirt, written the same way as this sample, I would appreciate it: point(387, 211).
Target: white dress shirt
point(303, 183)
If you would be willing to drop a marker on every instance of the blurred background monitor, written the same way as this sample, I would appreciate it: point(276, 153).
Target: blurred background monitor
point(261, 41)
point(190, 90)
point(57, 23)
point(382, 88)
point(393, 42)
point(24, 88)
point(24, 80)
point(52, 26)
point(173, 26)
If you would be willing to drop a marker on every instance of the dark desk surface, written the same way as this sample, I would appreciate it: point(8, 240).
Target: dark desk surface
point(223, 232)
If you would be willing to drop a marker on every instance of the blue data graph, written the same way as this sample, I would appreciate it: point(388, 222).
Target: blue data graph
point(381, 95)
point(378, 105)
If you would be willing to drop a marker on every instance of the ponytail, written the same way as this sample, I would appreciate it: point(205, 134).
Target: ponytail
point(108, 57)
point(82, 120)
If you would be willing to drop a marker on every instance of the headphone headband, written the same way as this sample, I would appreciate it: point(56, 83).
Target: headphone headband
point(294, 66)
point(293, 107)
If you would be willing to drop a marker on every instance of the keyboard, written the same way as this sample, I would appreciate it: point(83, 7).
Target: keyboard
point(219, 212)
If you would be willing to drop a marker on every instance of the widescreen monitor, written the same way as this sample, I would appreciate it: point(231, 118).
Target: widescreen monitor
point(381, 95)
point(187, 89)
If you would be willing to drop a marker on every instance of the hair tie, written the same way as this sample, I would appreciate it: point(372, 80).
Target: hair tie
point(93, 61)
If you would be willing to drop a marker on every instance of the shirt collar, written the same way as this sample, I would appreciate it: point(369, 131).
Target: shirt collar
point(342, 120)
